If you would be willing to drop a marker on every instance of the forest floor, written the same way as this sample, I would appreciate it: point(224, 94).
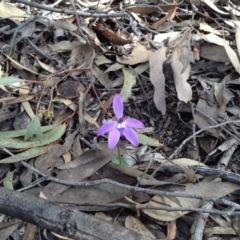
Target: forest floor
point(69, 67)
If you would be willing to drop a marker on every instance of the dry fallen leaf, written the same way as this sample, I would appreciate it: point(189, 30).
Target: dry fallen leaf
point(135, 225)
point(232, 56)
point(170, 16)
point(207, 189)
point(139, 54)
point(8, 10)
point(214, 7)
point(129, 82)
point(184, 90)
point(214, 52)
point(148, 9)
point(237, 36)
point(211, 38)
point(171, 230)
point(157, 78)
point(111, 36)
point(207, 104)
point(82, 167)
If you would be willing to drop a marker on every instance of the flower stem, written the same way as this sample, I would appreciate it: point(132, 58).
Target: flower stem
point(119, 156)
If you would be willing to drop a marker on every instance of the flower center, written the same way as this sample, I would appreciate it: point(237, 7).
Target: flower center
point(121, 123)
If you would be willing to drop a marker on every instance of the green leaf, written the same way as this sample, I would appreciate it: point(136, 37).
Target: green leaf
point(34, 129)
point(21, 132)
point(145, 140)
point(31, 153)
point(129, 82)
point(10, 80)
point(8, 180)
point(48, 137)
point(120, 161)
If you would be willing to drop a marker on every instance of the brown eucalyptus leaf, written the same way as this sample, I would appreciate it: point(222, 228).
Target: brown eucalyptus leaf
point(149, 9)
point(111, 36)
point(171, 15)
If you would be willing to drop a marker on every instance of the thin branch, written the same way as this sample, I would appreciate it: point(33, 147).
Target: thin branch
point(78, 23)
point(84, 14)
point(200, 131)
point(132, 188)
point(198, 226)
point(223, 128)
point(145, 206)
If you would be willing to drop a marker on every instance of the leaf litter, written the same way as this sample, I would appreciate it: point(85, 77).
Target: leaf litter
point(175, 65)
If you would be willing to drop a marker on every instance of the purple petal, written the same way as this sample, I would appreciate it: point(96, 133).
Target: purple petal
point(118, 106)
point(113, 138)
point(133, 123)
point(131, 136)
point(107, 127)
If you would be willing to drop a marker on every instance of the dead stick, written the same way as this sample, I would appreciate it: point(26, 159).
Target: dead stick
point(84, 14)
point(60, 219)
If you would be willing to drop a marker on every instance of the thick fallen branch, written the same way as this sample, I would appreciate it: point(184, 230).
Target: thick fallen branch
point(63, 220)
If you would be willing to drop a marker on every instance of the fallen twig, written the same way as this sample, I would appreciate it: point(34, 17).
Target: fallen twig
point(84, 14)
point(132, 188)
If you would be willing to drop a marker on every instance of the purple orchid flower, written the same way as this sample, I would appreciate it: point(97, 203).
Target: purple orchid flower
point(120, 127)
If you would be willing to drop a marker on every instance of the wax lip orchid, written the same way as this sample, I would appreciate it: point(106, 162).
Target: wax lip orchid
point(121, 126)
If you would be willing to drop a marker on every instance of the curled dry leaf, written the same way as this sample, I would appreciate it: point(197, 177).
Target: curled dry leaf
point(139, 54)
point(237, 36)
point(184, 91)
point(182, 41)
point(111, 36)
point(170, 16)
point(157, 78)
point(232, 56)
point(207, 107)
point(214, 7)
point(207, 28)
